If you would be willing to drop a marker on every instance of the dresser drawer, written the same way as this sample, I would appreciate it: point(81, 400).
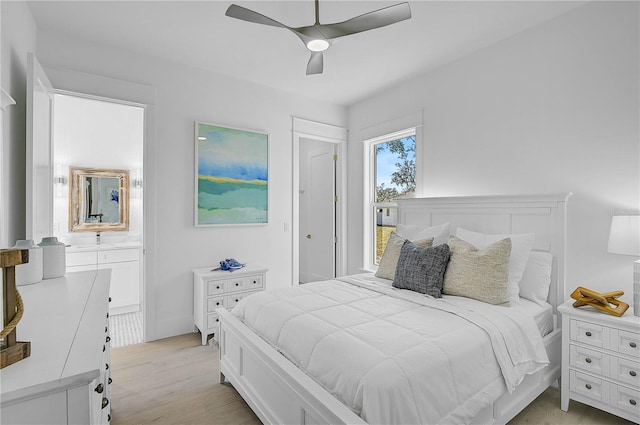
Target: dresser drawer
point(212, 321)
point(591, 361)
point(626, 371)
point(236, 284)
point(626, 399)
point(118, 255)
point(627, 343)
point(213, 303)
point(216, 287)
point(233, 299)
point(589, 333)
point(588, 386)
point(254, 282)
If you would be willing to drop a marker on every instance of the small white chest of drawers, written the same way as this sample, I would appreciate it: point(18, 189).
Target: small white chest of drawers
point(222, 289)
point(601, 360)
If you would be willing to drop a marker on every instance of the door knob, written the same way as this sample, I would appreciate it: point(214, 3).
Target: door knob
point(308, 236)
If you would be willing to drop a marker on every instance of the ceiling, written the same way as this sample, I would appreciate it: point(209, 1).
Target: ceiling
point(198, 34)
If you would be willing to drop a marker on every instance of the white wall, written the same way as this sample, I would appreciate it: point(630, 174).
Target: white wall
point(18, 37)
point(184, 95)
point(552, 109)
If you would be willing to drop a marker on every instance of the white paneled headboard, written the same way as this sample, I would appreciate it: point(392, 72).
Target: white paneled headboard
point(544, 215)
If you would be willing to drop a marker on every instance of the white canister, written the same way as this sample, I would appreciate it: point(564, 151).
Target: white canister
point(31, 272)
point(53, 256)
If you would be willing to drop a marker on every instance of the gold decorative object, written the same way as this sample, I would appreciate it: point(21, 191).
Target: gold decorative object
point(606, 302)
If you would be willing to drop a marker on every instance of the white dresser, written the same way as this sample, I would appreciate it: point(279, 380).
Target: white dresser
point(221, 289)
point(66, 380)
point(601, 360)
point(124, 260)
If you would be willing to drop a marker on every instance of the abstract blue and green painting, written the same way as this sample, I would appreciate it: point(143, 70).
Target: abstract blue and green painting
point(232, 183)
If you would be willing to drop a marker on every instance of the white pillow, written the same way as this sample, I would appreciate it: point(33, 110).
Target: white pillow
point(536, 278)
point(521, 245)
point(440, 234)
point(389, 260)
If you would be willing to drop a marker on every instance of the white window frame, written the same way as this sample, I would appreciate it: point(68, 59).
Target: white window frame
point(369, 234)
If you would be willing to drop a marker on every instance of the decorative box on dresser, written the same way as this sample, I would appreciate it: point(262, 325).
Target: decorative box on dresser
point(213, 289)
point(601, 360)
point(66, 380)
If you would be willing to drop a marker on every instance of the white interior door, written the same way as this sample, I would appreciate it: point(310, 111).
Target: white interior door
point(317, 212)
point(39, 154)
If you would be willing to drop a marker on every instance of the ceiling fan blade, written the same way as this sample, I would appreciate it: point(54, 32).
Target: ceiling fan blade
point(316, 63)
point(244, 14)
point(368, 21)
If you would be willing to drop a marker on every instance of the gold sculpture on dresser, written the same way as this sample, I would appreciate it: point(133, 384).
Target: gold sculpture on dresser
point(602, 302)
point(12, 308)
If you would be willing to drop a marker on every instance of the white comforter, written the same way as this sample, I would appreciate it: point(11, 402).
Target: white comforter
point(396, 356)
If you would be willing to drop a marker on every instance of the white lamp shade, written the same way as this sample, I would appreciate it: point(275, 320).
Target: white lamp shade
point(625, 235)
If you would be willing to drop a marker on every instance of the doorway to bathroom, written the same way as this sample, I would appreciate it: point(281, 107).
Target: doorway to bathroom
point(102, 136)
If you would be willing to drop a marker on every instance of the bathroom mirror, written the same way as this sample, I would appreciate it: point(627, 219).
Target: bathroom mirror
point(98, 200)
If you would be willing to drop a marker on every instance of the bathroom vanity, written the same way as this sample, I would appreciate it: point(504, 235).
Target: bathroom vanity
point(125, 261)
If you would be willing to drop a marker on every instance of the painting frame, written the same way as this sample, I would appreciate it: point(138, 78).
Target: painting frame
point(231, 176)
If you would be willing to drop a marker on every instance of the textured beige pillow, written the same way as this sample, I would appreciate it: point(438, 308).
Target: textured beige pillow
point(479, 274)
point(387, 267)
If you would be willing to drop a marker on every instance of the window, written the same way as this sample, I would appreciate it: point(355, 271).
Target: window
point(391, 175)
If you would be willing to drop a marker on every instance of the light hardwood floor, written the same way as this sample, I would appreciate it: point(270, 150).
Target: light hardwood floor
point(174, 381)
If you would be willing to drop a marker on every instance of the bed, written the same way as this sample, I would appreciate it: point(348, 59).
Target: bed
point(380, 378)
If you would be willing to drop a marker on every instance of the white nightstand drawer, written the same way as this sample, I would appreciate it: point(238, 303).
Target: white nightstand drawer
point(589, 333)
point(233, 299)
point(626, 371)
point(216, 287)
point(626, 399)
point(589, 360)
point(236, 284)
point(212, 321)
point(588, 386)
point(254, 282)
point(213, 303)
point(627, 343)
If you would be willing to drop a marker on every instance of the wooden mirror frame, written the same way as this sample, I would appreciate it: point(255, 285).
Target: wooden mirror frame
point(76, 198)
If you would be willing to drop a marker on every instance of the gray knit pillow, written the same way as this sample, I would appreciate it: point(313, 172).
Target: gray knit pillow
point(421, 269)
point(389, 260)
point(479, 274)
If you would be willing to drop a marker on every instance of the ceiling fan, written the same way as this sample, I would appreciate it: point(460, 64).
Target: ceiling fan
point(318, 37)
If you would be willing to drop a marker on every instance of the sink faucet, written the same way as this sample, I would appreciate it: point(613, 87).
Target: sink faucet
point(98, 238)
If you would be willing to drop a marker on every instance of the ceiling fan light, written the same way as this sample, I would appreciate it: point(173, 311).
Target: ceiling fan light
point(318, 45)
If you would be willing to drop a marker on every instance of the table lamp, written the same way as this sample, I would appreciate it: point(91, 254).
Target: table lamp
point(625, 239)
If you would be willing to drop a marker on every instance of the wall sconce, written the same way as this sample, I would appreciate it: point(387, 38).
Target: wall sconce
point(59, 180)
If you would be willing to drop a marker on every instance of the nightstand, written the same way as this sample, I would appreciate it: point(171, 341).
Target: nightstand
point(222, 289)
point(601, 360)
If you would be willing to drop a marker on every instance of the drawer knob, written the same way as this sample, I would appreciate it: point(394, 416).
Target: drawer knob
point(106, 329)
point(632, 402)
point(632, 345)
point(105, 402)
point(217, 320)
point(109, 381)
point(100, 388)
point(588, 360)
point(588, 386)
point(237, 284)
point(104, 347)
point(109, 299)
point(108, 338)
point(106, 366)
point(237, 300)
point(109, 417)
point(218, 287)
point(588, 333)
point(632, 373)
